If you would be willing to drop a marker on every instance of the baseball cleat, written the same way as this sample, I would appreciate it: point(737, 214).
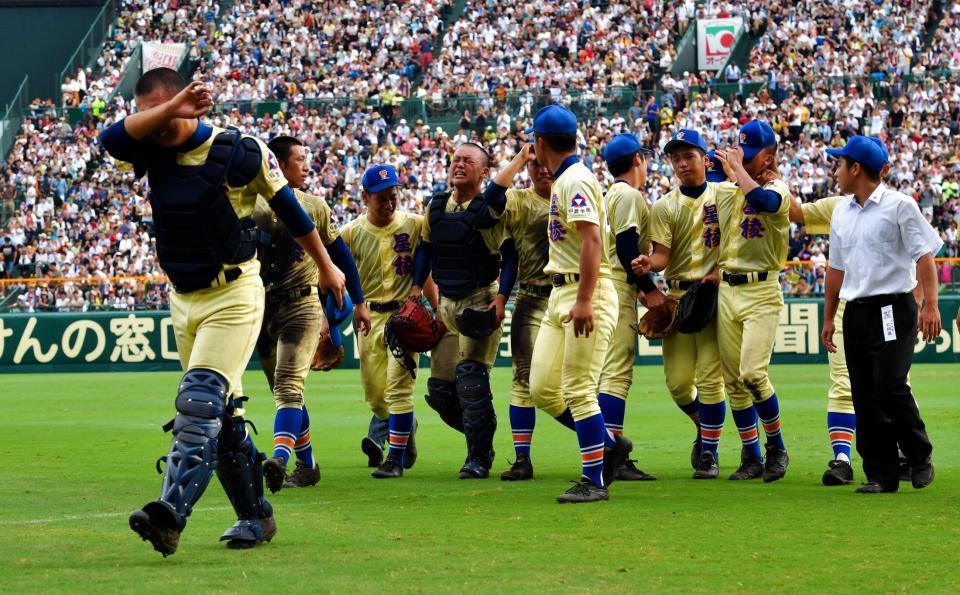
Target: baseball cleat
point(905, 473)
point(707, 467)
point(583, 491)
point(921, 475)
point(775, 467)
point(695, 451)
point(246, 534)
point(751, 467)
point(274, 473)
point(373, 451)
point(390, 469)
point(474, 469)
point(629, 472)
point(303, 476)
point(521, 470)
point(875, 488)
point(157, 523)
point(616, 456)
point(839, 473)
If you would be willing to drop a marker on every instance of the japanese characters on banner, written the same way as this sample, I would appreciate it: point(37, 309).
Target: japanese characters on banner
point(156, 54)
point(99, 341)
point(715, 41)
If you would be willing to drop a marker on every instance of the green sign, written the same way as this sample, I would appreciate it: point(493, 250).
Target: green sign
point(127, 341)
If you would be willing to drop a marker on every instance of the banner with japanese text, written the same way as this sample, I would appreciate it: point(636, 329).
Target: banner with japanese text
point(128, 341)
point(715, 41)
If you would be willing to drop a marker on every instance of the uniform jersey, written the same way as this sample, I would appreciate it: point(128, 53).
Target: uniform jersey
point(752, 241)
point(575, 196)
point(285, 265)
point(626, 210)
point(384, 255)
point(817, 215)
point(492, 236)
point(526, 218)
point(690, 228)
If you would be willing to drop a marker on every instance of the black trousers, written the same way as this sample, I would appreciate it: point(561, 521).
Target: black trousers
point(887, 413)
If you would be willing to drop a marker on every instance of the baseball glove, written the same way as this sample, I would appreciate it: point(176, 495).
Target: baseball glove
point(698, 307)
point(327, 356)
point(411, 329)
point(659, 322)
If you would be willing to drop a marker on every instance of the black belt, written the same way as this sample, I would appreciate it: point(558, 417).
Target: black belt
point(383, 306)
point(887, 298)
point(537, 290)
point(681, 285)
point(559, 280)
point(228, 276)
point(743, 278)
point(284, 295)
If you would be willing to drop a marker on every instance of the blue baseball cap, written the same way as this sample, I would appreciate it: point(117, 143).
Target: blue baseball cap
point(622, 145)
point(864, 150)
point(715, 171)
point(554, 119)
point(380, 177)
point(882, 146)
point(756, 136)
point(336, 316)
point(685, 136)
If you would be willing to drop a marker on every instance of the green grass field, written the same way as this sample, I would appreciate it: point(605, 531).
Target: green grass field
point(79, 452)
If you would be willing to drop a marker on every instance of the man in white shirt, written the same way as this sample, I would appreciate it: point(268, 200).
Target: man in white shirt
point(879, 244)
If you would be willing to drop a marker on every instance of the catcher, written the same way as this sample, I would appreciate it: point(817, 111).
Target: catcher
point(292, 320)
point(383, 242)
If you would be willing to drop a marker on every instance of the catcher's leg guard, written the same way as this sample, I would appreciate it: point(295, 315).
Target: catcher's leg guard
point(240, 471)
point(479, 418)
point(201, 401)
point(442, 397)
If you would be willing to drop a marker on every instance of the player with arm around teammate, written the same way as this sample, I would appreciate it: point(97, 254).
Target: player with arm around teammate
point(292, 316)
point(204, 182)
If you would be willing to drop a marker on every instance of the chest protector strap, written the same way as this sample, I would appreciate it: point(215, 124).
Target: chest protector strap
point(461, 261)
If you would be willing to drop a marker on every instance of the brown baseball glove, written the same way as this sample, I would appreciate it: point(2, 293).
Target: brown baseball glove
point(659, 322)
point(326, 357)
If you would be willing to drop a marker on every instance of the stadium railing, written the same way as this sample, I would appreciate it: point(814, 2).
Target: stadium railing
point(91, 45)
point(13, 118)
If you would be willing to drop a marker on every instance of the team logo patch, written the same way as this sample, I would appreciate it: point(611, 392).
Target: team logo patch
point(384, 174)
point(743, 139)
point(579, 205)
point(680, 135)
point(272, 161)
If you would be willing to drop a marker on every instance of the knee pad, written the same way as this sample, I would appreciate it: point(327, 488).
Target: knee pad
point(202, 393)
point(442, 398)
point(240, 469)
point(476, 401)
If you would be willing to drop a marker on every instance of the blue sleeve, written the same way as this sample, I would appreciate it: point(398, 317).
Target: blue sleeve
point(421, 264)
point(288, 209)
point(118, 142)
point(763, 200)
point(509, 267)
point(340, 255)
point(628, 249)
point(496, 197)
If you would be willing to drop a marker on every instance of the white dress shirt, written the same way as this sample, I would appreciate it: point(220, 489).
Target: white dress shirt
point(878, 245)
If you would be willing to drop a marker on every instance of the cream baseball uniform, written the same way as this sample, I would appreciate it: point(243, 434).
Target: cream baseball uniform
point(563, 364)
point(751, 243)
point(626, 209)
point(384, 257)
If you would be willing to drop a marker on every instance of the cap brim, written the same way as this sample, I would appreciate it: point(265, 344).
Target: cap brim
point(670, 146)
point(336, 337)
point(529, 131)
point(835, 152)
point(383, 186)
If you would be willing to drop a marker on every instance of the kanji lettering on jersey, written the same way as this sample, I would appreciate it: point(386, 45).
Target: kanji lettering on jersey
point(711, 237)
point(752, 228)
point(401, 242)
point(710, 215)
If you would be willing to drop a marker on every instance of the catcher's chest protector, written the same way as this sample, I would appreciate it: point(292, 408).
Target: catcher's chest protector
point(196, 227)
point(461, 261)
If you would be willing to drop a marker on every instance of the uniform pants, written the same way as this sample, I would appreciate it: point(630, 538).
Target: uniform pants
point(453, 347)
point(387, 385)
point(528, 313)
point(288, 340)
point(839, 398)
point(568, 366)
point(617, 374)
point(886, 411)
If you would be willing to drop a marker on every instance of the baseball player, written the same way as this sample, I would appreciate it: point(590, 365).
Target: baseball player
point(462, 244)
point(754, 233)
point(292, 316)
point(383, 242)
point(628, 220)
point(685, 232)
point(574, 336)
point(203, 186)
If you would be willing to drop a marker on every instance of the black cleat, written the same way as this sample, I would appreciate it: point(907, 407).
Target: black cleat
point(303, 476)
point(629, 472)
point(390, 469)
point(583, 491)
point(840, 473)
point(905, 473)
point(521, 470)
point(410, 453)
point(474, 469)
point(373, 451)
point(157, 523)
point(247, 534)
point(695, 451)
point(775, 467)
point(751, 467)
point(875, 488)
point(616, 456)
point(274, 473)
point(707, 467)
point(921, 475)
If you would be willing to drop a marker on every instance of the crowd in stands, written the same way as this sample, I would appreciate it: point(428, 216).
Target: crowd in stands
point(79, 215)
